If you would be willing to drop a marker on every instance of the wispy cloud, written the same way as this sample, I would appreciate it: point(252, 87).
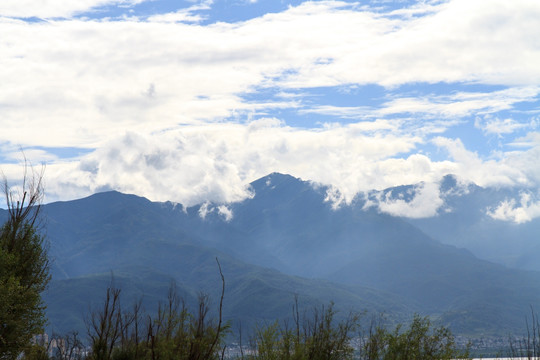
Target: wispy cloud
point(490, 125)
point(461, 104)
point(190, 14)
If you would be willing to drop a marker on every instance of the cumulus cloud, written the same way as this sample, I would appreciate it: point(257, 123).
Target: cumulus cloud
point(521, 211)
point(216, 162)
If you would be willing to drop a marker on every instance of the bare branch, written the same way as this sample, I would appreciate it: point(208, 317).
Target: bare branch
point(218, 332)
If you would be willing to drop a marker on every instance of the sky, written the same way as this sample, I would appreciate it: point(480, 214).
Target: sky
point(191, 100)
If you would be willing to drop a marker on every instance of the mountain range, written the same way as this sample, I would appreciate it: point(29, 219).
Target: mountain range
point(288, 240)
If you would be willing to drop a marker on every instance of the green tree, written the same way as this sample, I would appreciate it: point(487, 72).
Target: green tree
point(24, 265)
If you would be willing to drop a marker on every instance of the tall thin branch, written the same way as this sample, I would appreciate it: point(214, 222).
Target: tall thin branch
point(218, 332)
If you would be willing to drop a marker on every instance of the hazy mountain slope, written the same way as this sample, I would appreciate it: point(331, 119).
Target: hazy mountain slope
point(71, 301)
point(252, 293)
point(90, 234)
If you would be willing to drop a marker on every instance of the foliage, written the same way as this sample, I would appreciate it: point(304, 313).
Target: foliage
point(24, 267)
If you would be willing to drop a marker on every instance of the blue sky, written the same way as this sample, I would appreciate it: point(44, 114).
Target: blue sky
point(190, 100)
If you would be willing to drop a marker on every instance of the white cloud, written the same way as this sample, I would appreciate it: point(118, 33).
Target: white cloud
point(504, 171)
point(185, 15)
point(426, 200)
point(225, 212)
point(494, 125)
point(216, 162)
point(461, 104)
point(222, 210)
point(526, 161)
point(188, 15)
point(440, 106)
point(334, 197)
point(204, 210)
point(527, 209)
point(82, 84)
point(350, 112)
point(460, 41)
point(497, 126)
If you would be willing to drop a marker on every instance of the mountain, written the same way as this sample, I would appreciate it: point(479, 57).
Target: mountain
point(285, 240)
point(147, 245)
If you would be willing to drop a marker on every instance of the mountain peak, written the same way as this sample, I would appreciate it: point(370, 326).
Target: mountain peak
point(278, 188)
point(448, 182)
point(279, 177)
